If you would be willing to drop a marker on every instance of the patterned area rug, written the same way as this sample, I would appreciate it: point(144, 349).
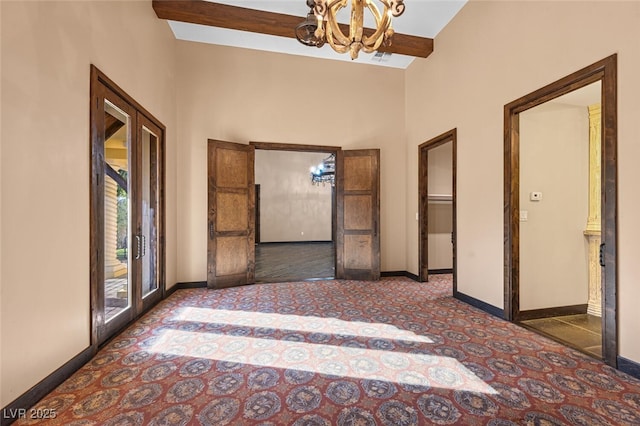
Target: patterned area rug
point(393, 352)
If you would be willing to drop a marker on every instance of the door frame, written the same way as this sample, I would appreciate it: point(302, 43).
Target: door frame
point(423, 203)
point(257, 212)
point(101, 87)
point(604, 71)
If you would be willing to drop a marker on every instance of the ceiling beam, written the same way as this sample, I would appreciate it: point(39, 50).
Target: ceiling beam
point(258, 21)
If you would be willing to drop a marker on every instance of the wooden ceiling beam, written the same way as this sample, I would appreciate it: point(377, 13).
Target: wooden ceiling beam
point(258, 21)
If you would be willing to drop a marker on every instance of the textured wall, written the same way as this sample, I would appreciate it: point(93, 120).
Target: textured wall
point(241, 95)
point(291, 208)
point(47, 48)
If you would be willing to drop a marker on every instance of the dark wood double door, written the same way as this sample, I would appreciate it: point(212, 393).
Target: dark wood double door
point(231, 213)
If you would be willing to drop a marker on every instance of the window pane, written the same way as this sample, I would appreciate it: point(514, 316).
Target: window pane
point(117, 283)
point(149, 211)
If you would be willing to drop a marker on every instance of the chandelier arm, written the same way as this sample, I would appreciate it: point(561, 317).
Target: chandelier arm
point(374, 47)
point(356, 22)
point(395, 6)
point(333, 26)
point(320, 7)
point(380, 22)
point(335, 45)
point(383, 23)
point(371, 44)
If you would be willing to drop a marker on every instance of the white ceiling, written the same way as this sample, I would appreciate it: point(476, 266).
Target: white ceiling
point(425, 18)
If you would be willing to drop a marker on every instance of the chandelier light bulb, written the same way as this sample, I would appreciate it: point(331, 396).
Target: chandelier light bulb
point(324, 172)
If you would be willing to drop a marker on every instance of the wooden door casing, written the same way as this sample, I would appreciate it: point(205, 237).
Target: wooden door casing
point(358, 205)
point(423, 207)
point(231, 215)
point(606, 72)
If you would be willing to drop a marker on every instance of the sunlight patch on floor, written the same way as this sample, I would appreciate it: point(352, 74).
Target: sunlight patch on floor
point(418, 371)
point(300, 323)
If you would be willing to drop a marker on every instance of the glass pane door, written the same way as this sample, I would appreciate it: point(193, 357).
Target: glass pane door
point(117, 245)
point(127, 256)
point(149, 211)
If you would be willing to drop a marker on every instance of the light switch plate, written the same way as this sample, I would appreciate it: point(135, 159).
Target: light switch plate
point(524, 215)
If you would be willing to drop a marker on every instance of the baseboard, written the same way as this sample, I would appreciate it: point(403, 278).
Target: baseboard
point(440, 271)
point(266, 243)
point(632, 368)
point(18, 409)
point(557, 311)
point(191, 284)
point(400, 274)
point(183, 286)
point(477, 303)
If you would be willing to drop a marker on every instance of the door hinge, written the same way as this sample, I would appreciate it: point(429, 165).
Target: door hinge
point(602, 255)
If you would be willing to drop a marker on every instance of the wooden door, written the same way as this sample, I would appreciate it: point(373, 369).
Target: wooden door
point(231, 215)
point(358, 205)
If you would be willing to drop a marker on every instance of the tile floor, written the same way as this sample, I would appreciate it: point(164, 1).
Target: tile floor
point(113, 304)
point(582, 331)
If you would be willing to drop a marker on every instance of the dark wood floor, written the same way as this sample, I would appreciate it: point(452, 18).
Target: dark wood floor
point(278, 262)
point(581, 331)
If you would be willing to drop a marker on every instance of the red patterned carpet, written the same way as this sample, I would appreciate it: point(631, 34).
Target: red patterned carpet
point(393, 352)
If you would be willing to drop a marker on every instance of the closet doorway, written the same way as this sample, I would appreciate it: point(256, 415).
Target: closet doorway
point(437, 206)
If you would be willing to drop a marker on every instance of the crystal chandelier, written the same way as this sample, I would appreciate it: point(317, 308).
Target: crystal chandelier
point(326, 26)
point(324, 172)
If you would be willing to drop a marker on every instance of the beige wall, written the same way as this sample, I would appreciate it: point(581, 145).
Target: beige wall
point(554, 160)
point(47, 48)
point(242, 95)
point(440, 180)
point(492, 53)
point(291, 208)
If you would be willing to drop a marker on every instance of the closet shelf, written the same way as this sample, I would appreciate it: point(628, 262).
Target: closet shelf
point(439, 197)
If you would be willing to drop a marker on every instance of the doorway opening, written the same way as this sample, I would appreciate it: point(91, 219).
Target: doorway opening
point(437, 207)
point(231, 211)
point(295, 218)
point(560, 211)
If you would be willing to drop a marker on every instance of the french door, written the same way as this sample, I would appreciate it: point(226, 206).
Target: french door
point(127, 257)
